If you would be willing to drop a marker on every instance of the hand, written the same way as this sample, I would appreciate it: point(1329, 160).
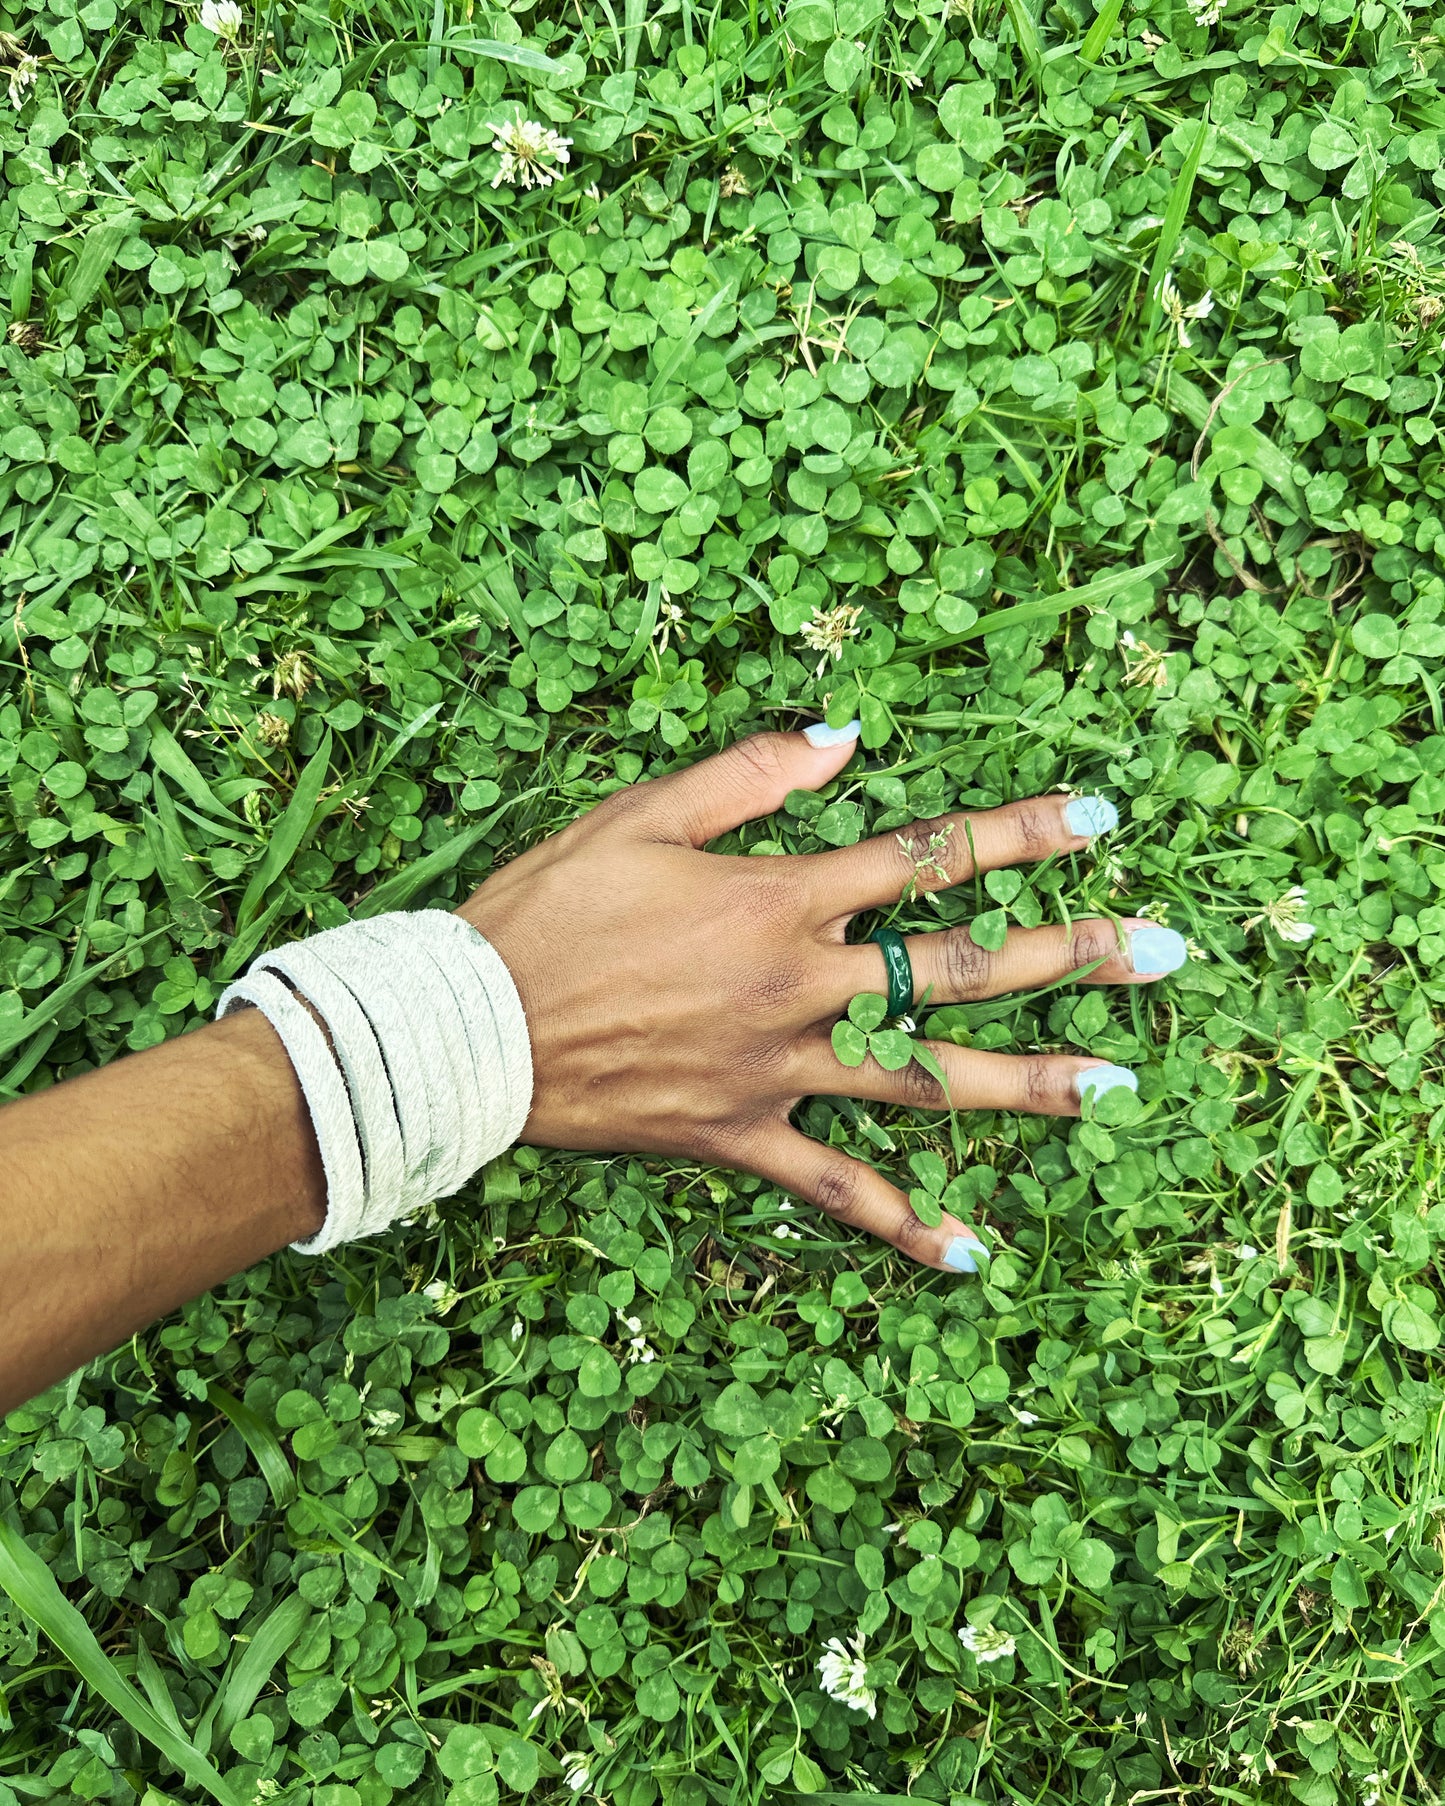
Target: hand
point(682, 1002)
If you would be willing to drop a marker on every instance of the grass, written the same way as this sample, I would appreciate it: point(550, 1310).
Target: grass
point(366, 518)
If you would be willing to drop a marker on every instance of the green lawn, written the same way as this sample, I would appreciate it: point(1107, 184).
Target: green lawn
point(1062, 392)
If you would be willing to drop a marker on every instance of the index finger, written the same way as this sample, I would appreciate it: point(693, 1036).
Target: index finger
point(931, 855)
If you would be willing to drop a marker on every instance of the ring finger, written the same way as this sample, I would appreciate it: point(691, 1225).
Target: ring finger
point(949, 966)
point(1033, 1084)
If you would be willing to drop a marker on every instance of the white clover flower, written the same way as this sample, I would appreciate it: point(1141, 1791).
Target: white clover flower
point(575, 1770)
point(1246, 1251)
point(785, 1234)
point(517, 1331)
point(1283, 916)
point(1173, 304)
point(526, 149)
point(442, 1295)
point(1206, 12)
point(1027, 1417)
point(843, 1675)
point(22, 79)
point(986, 1643)
point(223, 17)
point(830, 630)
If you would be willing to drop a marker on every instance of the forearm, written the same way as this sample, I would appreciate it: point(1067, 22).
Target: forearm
point(127, 1191)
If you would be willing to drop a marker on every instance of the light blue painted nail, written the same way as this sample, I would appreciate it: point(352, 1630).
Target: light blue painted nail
point(1091, 815)
point(820, 734)
point(1155, 949)
point(1099, 1079)
point(964, 1255)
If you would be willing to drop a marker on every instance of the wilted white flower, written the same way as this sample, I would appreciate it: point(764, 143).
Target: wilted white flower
point(986, 1643)
point(1173, 304)
point(669, 616)
point(442, 1295)
point(843, 1675)
point(829, 631)
point(223, 17)
point(1283, 916)
point(22, 78)
point(638, 1346)
point(575, 1770)
point(526, 149)
point(1143, 664)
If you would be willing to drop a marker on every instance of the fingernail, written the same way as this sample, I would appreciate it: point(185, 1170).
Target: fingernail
point(1091, 815)
point(1098, 1079)
point(820, 734)
point(964, 1255)
point(1154, 949)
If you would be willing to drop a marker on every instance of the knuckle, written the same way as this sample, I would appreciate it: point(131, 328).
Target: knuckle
point(1039, 1082)
point(723, 1142)
point(920, 1090)
point(622, 805)
point(914, 1237)
point(838, 1192)
point(771, 988)
point(1093, 940)
point(926, 849)
point(769, 898)
point(1037, 828)
point(760, 755)
point(967, 967)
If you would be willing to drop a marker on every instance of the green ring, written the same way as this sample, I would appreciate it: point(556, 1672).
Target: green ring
point(900, 970)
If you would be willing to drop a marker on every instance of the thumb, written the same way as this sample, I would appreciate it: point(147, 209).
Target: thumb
point(749, 779)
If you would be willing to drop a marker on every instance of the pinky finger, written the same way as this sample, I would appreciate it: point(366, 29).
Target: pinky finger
point(852, 1193)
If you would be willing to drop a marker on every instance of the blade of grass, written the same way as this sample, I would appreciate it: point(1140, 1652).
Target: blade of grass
point(1026, 614)
point(1100, 31)
point(57, 999)
point(723, 298)
point(168, 755)
point(522, 56)
point(97, 255)
point(1027, 33)
point(30, 1584)
point(292, 831)
point(247, 1673)
point(262, 1441)
point(651, 608)
point(397, 891)
point(1174, 217)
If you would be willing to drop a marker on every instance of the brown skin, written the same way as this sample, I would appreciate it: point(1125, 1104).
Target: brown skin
point(680, 1003)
